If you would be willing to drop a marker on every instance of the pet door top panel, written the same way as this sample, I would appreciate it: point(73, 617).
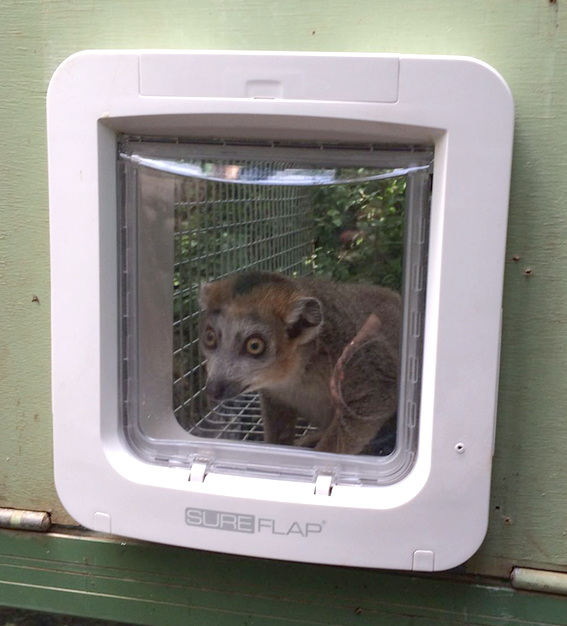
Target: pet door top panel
point(194, 213)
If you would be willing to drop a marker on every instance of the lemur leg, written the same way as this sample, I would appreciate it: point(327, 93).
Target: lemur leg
point(279, 420)
point(365, 395)
point(346, 435)
point(310, 440)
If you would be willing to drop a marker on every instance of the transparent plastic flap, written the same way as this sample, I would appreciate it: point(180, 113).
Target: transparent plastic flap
point(189, 218)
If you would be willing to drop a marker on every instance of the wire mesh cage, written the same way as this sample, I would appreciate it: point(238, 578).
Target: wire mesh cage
point(221, 228)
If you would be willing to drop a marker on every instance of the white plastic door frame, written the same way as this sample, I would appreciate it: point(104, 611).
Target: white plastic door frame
point(433, 519)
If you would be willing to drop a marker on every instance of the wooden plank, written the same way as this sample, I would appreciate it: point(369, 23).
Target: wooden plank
point(150, 584)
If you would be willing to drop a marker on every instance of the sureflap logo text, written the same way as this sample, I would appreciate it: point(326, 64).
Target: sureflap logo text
point(240, 523)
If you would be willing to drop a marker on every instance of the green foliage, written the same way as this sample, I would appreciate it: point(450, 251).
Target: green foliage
point(220, 228)
point(359, 231)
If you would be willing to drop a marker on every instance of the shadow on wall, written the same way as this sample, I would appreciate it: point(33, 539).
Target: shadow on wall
point(17, 617)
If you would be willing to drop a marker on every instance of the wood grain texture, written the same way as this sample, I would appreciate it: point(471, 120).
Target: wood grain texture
point(156, 585)
point(526, 40)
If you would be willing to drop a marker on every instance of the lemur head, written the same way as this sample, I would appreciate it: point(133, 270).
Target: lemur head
point(253, 328)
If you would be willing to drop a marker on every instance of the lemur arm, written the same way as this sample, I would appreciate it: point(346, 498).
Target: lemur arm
point(279, 420)
point(363, 389)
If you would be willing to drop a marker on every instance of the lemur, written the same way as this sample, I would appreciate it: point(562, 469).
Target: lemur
point(283, 337)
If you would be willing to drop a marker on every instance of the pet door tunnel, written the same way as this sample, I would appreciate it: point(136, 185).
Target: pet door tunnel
point(194, 212)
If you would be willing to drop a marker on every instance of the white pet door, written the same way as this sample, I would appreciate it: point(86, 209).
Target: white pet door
point(170, 171)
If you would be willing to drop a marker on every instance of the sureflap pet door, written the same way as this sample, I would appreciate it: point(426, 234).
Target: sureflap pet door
point(169, 170)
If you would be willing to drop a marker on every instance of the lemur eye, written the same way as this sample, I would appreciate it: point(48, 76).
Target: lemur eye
point(210, 338)
point(255, 346)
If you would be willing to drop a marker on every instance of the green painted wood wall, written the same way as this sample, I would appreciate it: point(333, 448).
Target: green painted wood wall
point(526, 40)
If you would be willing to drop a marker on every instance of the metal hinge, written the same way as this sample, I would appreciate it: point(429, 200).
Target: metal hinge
point(18, 519)
point(539, 580)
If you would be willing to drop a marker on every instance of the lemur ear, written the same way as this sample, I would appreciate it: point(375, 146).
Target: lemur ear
point(204, 295)
point(305, 319)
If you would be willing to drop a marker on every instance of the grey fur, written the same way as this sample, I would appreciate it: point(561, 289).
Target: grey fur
point(330, 315)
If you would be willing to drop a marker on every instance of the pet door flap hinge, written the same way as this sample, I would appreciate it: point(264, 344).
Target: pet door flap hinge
point(198, 471)
point(323, 485)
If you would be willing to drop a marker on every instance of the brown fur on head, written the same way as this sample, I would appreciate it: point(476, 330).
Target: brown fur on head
point(264, 308)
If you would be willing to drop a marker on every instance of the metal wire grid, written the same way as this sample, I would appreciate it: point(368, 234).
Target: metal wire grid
point(220, 228)
point(240, 419)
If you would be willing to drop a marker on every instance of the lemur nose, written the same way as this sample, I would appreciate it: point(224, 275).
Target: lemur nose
point(218, 390)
